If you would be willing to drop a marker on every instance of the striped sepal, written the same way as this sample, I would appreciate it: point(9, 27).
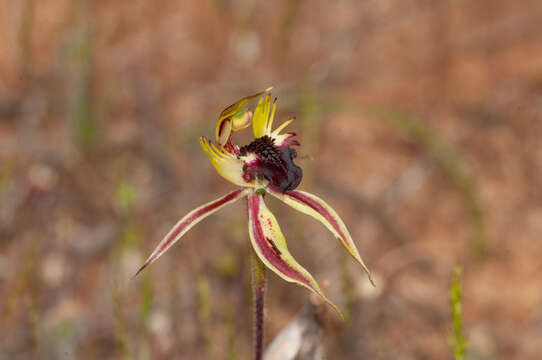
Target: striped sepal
point(187, 222)
point(317, 208)
point(270, 246)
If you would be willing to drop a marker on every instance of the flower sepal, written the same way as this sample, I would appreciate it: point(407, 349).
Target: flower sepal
point(269, 244)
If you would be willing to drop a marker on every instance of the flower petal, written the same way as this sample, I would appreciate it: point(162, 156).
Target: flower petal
point(270, 246)
point(263, 116)
point(224, 130)
point(227, 165)
point(271, 116)
point(317, 208)
point(259, 120)
point(277, 131)
point(187, 222)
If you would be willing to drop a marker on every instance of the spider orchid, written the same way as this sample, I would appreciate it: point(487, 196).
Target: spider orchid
point(265, 166)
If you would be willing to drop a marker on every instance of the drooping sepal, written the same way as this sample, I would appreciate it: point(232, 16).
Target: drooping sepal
point(270, 246)
point(187, 222)
point(317, 208)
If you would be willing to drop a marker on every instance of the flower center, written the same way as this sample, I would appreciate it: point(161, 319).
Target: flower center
point(264, 147)
point(275, 164)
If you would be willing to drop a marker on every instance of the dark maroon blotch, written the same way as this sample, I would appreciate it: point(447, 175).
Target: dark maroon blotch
point(274, 164)
point(275, 248)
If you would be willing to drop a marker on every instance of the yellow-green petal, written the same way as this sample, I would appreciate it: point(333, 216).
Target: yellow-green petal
point(225, 164)
point(271, 117)
point(263, 116)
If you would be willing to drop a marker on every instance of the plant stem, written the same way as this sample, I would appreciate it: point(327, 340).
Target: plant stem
point(258, 290)
point(457, 340)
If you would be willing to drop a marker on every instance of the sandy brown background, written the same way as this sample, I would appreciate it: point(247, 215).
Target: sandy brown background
point(420, 122)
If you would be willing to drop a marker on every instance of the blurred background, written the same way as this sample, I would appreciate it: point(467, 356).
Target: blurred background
point(420, 122)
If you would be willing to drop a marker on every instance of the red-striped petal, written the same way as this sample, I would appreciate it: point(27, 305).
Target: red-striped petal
point(270, 246)
point(187, 222)
point(317, 208)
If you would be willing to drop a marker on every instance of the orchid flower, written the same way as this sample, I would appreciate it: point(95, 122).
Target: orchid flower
point(265, 166)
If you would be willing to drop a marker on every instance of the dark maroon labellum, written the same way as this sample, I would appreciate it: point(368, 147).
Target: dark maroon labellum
point(274, 164)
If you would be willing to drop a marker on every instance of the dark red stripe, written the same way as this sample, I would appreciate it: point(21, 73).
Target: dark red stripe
point(299, 197)
point(268, 251)
point(199, 213)
point(217, 203)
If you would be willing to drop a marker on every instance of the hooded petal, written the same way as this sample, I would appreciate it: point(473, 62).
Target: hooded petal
point(270, 246)
point(317, 208)
point(231, 118)
point(187, 222)
point(227, 165)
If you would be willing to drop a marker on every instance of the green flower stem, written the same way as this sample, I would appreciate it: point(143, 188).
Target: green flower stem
point(258, 289)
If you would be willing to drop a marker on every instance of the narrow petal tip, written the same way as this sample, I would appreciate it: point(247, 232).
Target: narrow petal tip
point(371, 279)
point(335, 307)
point(138, 271)
point(366, 269)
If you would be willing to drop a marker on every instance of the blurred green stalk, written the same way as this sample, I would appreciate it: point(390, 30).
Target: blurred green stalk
point(456, 340)
point(120, 328)
point(125, 201)
point(204, 312)
point(81, 106)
